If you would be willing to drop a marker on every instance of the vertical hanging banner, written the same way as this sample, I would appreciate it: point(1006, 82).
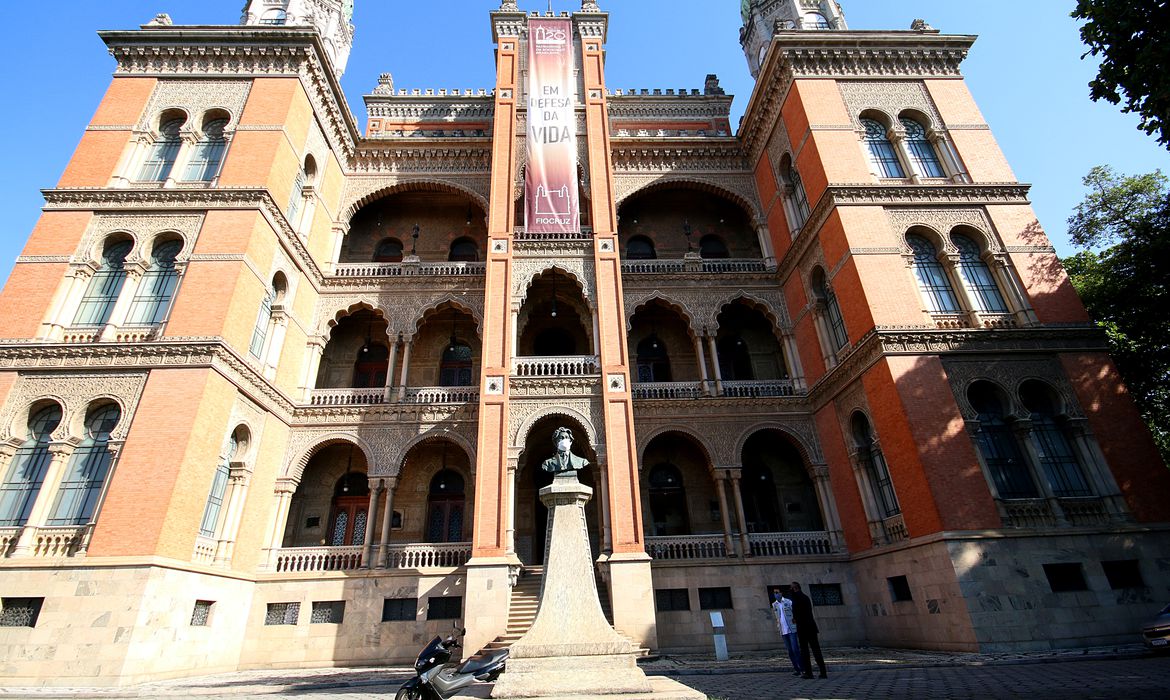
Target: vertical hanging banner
point(551, 203)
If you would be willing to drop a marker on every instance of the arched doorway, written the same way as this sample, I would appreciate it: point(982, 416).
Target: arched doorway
point(330, 505)
point(433, 500)
point(446, 503)
point(778, 495)
point(349, 513)
point(531, 517)
point(554, 319)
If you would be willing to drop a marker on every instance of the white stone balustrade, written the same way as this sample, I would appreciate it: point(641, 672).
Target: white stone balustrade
point(1028, 512)
point(651, 267)
point(429, 269)
point(658, 267)
point(668, 390)
point(204, 550)
point(734, 265)
point(427, 556)
point(60, 541)
point(895, 528)
point(564, 366)
point(298, 559)
point(8, 539)
point(686, 547)
point(522, 234)
point(758, 389)
point(441, 394)
point(789, 544)
point(347, 397)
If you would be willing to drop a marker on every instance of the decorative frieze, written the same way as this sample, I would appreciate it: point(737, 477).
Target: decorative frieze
point(740, 187)
point(524, 413)
point(701, 305)
point(1009, 373)
point(402, 318)
point(890, 98)
point(142, 228)
point(941, 220)
point(75, 392)
point(195, 98)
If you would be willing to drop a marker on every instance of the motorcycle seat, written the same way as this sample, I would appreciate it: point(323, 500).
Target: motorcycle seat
point(483, 660)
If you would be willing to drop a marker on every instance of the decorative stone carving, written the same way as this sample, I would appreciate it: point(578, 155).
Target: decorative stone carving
point(385, 445)
point(142, 228)
point(74, 392)
point(195, 97)
point(740, 188)
point(941, 221)
point(360, 191)
point(1009, 373)
point(890, 98)
point(583, 270)
point(523, 414)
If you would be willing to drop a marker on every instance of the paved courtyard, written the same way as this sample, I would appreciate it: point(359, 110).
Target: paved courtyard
point(867, 673)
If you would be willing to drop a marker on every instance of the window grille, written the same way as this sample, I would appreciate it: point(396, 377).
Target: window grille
point(20, 612)
point(152, 299)
point(295, 197)
point(201, 614)
point(86, 472)
point(823, 594)
point(26, 474)
point(977, 276)
point(282, 614)
point(800, 197)
point(445, 608)
point(923, 157)
point(1123, 574)
point(330, 612)
point(715, 598)
point(837, 333)
point(102, 293)
point(899, 589)
point(1065, 577)
point(932, 278)
point(1057, 458)
point(219, 482)
point(881, 152)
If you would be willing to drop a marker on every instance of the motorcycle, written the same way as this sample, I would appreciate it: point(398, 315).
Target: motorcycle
point(438, 679)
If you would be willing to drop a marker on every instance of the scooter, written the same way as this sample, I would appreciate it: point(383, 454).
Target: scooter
point(437, 679)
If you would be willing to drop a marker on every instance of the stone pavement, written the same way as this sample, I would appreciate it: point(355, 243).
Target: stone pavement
point(1104, 672)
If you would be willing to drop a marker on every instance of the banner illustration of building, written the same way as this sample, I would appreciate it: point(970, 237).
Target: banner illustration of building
point(551, 200)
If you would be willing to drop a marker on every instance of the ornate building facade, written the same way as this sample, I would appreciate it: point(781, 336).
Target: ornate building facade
point(274, 392)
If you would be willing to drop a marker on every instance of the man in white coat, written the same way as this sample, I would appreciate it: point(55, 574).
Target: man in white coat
point(782, 609)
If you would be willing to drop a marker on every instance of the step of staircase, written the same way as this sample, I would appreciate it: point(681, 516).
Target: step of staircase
point(525, 601)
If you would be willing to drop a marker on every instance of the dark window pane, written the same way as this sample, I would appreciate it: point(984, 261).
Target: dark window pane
point(399, 609)
point(899, 588)
point(1124, 573)
point(825, 594)
point(666, 599)
point(445, 608)
point(1065, 578)
point(715, 599)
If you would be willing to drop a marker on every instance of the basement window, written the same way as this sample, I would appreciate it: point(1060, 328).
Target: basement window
point(445, 608)
point(399, 609)
point(1124, 573)
point(329, 612)
point(715, 599)
point(1065, 578)
point(20, 612)
point(282, 614)
point(899, 589)
point(201, 614)
point(823, 594)
point(667, 599)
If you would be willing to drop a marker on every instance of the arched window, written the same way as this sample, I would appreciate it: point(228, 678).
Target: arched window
point(102, 293)
point(815, 20)
point(874, 464)
point(445, 503)
point(87, 470)
point(152, 299)
point(455, 365)
point(735, 359)
point(350, 511)
point(640, 248)
point(653, 360)
point(275, 17)
point(295, 196)
point(1054, 444)
point(834, 321)
point(263, 319)
point(923, 157)
point(371, 366)
point(463, 250)
point(799, 196)
point(932, 277)
point(998, 445)
point(712, 246)
point(26, 474)
point(219, 482)
point(161, 159)
point(977, 276)
point(208, 155)
point(882, 156)
point(388, 250)
point(668, 501)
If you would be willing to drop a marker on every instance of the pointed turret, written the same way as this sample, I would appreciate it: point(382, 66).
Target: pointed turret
point(333, 20)
point(763, 18)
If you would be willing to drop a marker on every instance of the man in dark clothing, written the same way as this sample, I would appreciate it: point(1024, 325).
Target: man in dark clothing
point(806, 631)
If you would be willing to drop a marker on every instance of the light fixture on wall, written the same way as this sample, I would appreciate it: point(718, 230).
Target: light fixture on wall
point(554, 295)
point(451, 344)
point(654, 336)
point(348, 467)
point(369, 340)
point(469, 215)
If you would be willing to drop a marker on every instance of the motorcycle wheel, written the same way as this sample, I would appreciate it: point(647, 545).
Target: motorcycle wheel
point(409, 694)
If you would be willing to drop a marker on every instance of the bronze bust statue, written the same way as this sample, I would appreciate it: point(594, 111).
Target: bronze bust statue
point(564, 460)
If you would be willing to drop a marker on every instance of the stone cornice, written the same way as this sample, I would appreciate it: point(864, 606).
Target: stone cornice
point(430, 155)
point(896, 196)
point(201, 51)
point(640, 154)
point(884, 341)
point(448, 108)
point(864, 55)
point(106, 199)
point(211, 353)
point(670, 106)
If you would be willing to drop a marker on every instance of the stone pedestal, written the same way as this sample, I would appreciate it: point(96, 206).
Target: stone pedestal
point(571, 650)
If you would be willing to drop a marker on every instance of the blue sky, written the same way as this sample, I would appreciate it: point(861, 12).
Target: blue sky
point(1025, 72)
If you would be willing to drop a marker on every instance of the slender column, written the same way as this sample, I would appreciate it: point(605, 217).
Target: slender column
point(603, 483)
point(965, 297)
point(371, 520)
point(897, 136)
point(124, 170)
point(272, 354)
point(1094, 463)
point(715, 365)
point(40, 511)
point(316, 350)
point(766, 245)
point(596, 335)
point(55, 320)
point(338, 242)
point(237, 493)
point(721, 488)
point(405, 368)
point(284, 491)
point(1017, 298)
point(706, 383)
point(950, 158)
point(389, 394)
point(515, 330)
point(737, 492)
point(387, 522)
point(829, 514)
point(511, 486)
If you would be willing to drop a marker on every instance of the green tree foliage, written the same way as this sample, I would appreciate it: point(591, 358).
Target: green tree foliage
point(1132, 37)
point(1123, 276)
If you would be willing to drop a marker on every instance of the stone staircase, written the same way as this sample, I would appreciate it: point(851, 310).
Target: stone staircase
point(525, 600)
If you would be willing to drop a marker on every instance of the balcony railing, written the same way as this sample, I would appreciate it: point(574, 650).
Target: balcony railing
point(441, 394)
point(687, 547)
point(431, 269)
point(710, 266)
point(894, 528)
point(563, 366)
point(46, 541)
point(1028, 512)
point(668, 390)
point(396, 556)
point(759, 389)
point(585, 234)
point(788, 544)
point(1085, 511)
point(347, 397)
